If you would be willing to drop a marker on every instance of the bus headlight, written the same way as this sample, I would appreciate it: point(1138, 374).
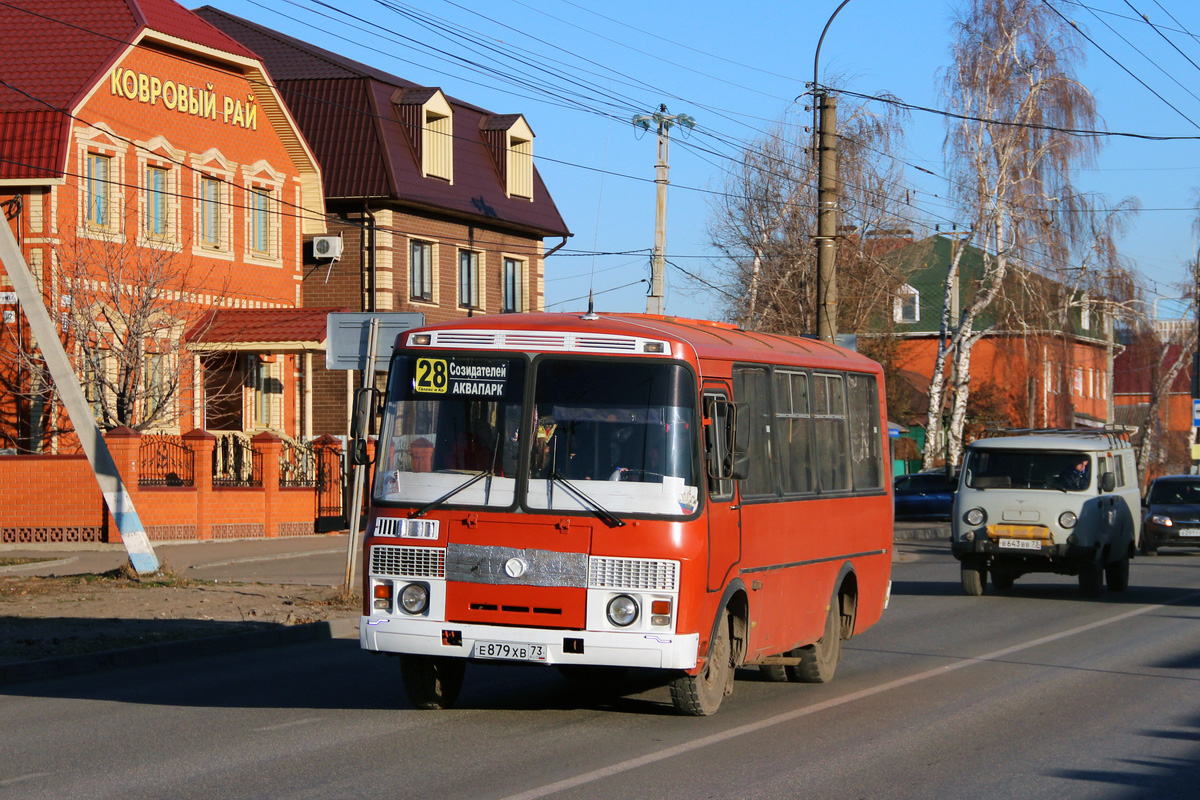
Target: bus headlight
point(414, 598)
point(1067, 519)
point(975, 516)
point(622, 610)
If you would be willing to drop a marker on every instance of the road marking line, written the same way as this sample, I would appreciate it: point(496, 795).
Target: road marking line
point(24, 778)
point(779, 719)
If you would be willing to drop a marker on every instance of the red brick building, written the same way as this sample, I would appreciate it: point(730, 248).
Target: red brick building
point(154, 180)
point(439, 207)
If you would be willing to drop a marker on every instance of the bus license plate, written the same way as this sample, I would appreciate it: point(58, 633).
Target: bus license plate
point(1021, 544)
point(510, 651)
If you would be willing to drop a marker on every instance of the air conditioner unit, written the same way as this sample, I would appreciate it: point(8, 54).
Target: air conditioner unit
point(327, 247)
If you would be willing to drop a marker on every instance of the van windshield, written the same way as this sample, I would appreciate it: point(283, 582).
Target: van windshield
point(1054, 470)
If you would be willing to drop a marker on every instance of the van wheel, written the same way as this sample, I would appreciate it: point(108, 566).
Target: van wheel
point(1091, 579)
point(1002, 578)
point(700, 695)
point(1116, 574)
point(432, 681)
point(819, 661)
point(974, 573)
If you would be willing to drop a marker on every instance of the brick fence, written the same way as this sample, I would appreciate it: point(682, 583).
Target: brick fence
point(54, 498)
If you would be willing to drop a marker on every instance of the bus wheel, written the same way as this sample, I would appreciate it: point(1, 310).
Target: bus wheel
point(819, 661)
point(1116, 574)
point(974, 573)
point(432, 681)
point(1091, 579)
point(701, 695)
point(775, 673)
point(1002, 579)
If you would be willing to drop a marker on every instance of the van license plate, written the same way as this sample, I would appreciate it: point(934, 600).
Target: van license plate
point(1020, 544)
point(510, 651)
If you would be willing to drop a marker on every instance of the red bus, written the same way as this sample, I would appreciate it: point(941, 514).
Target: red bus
point(625, 490)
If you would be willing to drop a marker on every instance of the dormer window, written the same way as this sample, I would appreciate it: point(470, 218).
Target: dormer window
point(520, 166)
point(427, 120)
point(906, 306)
point(511, 141)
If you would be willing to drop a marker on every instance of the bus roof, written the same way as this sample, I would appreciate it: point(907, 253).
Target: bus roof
point(705, 338)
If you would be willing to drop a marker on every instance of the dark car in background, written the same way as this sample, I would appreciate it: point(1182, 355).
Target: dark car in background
point(925, 495)
point(1171, 513)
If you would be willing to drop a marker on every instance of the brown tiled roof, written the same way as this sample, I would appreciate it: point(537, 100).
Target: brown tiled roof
point(232, 325)
point(54, 52)
point(347, 113)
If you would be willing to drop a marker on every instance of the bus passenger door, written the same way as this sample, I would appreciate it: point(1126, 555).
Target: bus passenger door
point(724, 511)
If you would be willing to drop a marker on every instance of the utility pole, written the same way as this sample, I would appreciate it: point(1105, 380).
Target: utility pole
point(663, 121)
point(827, 199)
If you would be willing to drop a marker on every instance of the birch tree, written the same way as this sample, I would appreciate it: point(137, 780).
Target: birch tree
point(1010, 155)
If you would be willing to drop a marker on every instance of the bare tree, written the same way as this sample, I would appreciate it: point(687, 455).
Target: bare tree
point(763, 222)
point(1011, 153)
point(125, 309)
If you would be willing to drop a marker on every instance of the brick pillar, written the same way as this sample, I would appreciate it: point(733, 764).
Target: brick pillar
point(208, 506)
point(123, 443)
point(270, 446)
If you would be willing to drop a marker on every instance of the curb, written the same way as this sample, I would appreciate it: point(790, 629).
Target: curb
point(167, 652)
point(921, 534)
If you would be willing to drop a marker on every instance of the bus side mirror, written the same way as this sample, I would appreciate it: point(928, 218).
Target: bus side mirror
point(1108, 482)
point(360, 424)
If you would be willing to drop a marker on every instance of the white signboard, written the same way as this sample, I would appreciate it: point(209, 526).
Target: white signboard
point(346, 337)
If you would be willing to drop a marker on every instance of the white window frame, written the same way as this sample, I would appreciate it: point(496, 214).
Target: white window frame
point(906, 298)
point(509, 304)
point(212, 166)
point(430, 272)
point(99, 141)
point(260, 181)
point(473, 282)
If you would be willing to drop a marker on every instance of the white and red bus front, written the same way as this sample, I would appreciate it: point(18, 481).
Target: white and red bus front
point(536, 506)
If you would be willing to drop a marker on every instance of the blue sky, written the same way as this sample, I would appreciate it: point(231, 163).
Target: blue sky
point(579, 70)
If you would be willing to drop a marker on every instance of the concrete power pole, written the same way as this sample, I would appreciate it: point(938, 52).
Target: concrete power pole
point(827, 201)
point(663, 121)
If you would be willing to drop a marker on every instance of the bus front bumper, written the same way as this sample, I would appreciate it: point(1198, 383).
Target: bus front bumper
point(390, 634)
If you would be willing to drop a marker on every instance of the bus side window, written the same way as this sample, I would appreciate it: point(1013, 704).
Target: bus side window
point(752, 385)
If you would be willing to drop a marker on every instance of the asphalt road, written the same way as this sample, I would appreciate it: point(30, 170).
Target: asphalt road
point(1034, 694)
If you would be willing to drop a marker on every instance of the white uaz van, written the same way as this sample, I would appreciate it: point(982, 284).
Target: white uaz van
point(1055, 501)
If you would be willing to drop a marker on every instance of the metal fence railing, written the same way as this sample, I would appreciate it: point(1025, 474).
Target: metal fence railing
point(297, 465)
point(165, 460)
point(235, 462)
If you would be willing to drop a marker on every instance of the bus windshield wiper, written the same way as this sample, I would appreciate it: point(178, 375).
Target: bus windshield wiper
point(423, 510)
point(610, 519)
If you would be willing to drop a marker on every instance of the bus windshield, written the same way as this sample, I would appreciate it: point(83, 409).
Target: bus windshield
point(622, 433)
point(448, 421)
point(1027, 469)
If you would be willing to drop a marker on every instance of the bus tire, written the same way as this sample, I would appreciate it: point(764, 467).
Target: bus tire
point(775, 673)
point(974, 573)
point(1116, 574)
point(700, 695)
point(818, 662)
point(432, 682)
point(1091, 579)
